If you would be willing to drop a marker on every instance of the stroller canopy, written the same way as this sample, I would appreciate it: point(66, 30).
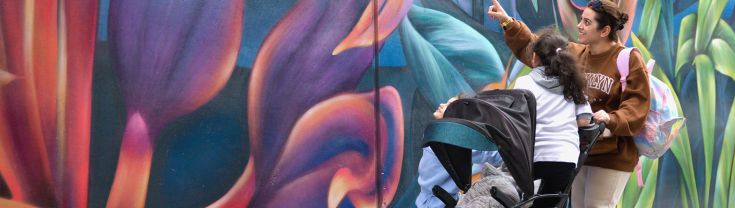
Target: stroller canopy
point(499, 119)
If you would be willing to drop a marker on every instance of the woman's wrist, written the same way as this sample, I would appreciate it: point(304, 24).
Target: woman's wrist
point(504, 24)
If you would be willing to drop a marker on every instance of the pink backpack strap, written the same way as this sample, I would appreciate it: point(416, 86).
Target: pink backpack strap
point(623, 63)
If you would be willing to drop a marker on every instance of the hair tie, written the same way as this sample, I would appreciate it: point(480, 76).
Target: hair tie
point(558, 50)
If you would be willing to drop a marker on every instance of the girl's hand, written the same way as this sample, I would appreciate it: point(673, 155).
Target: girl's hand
point(601, 117)
point(497, 12)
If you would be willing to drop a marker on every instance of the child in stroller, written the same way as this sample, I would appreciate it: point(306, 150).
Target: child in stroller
point(431, 172)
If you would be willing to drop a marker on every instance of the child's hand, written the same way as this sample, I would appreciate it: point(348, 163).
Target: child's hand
point(439, 113)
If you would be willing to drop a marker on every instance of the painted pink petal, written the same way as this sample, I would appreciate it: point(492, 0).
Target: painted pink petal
point(78, 30)
point(47, 49)
point(389, 16)
point(29, 104)
point(630, 7)
point(5, 76)
point(568, 12)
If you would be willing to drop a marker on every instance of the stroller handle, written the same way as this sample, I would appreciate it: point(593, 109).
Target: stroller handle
point(591, 132)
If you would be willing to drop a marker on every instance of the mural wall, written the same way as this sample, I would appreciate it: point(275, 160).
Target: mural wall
point(311, 103)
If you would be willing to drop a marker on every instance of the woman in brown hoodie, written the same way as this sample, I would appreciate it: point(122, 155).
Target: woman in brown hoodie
point(602, 179)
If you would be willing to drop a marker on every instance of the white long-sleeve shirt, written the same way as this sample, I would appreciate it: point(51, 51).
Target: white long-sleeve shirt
point(557, 139)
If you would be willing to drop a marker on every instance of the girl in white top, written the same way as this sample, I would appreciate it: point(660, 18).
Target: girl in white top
point(561, 108)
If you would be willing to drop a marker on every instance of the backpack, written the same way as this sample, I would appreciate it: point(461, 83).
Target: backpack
point(663, 122)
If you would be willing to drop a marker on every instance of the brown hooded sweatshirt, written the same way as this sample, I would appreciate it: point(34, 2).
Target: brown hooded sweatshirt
point(627, 109)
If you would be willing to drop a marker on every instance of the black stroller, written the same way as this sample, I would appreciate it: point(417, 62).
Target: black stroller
point(502, 120)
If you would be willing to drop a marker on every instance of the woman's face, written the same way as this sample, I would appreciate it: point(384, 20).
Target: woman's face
point(588, 32)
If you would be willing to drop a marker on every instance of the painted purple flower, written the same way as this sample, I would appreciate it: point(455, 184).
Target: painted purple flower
point(172, 57)
point(300, 69)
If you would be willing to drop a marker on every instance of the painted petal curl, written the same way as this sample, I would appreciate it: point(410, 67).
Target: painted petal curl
point(389, 16)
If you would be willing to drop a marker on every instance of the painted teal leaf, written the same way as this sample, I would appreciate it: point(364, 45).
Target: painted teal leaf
point(663, 45)
point(648, 25)
point(710, 12)
point(436, 78)
point(683, 154)
point(471, 54)
point(724, 167)
point(706, 90)
point(723, 56)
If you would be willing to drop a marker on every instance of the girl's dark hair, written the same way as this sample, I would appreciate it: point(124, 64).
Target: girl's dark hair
point(607, 13)
point(560, 63)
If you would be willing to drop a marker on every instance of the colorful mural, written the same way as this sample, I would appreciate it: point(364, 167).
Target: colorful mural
point(310, 103)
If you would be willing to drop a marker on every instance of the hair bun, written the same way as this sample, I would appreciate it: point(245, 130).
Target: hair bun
point(623, 20)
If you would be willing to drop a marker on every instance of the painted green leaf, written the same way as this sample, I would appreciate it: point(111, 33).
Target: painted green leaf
point(724, 166)
point(642, 47)
point(724, 57)
point(731, 198)
point(631, 193)
point(710, 12)
point(724, 31)
point(648, 25)
point(684, 55)
point(657, 71)
point(525, 70)
point(687, 28)
point(683, 155)
point(685, 45)
point(648, 192)
point(683, 195)
point(706, 90)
